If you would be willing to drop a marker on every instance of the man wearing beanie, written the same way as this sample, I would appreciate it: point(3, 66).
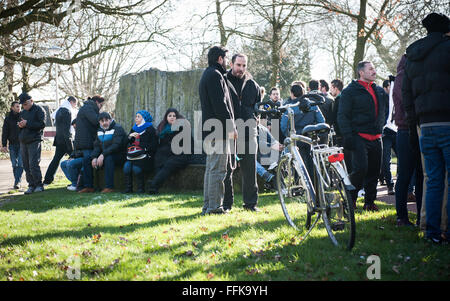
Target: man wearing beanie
point(426, 102)
point(109, 148)
point(31, 124)
point(85, 135)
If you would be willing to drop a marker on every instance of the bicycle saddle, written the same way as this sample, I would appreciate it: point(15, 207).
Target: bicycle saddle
point(320, 128)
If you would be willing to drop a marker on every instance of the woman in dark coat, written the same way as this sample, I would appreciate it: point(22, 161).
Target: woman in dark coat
point(142, 144)
point(166, 161)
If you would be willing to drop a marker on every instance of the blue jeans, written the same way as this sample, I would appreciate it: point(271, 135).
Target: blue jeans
point(72, 169)
point(408, 160)
point(16, 162)
point(389, 144)
point(88, 173)
point(129, 167)
point(435, 146)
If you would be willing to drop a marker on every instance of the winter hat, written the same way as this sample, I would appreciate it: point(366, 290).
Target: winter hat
point(435, 22)
point(146, 115)
point(24, 97)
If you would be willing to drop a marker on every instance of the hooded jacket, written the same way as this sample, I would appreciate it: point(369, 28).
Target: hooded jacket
point(426, 82)
point(87, 125)
point(34, 129)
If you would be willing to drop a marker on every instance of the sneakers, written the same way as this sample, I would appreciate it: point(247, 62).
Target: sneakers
point(391, 191)
point(39, 189)
point(16, 186)
point(370, 207)
point(30, 190)
point(252, 208)
point(72, 188)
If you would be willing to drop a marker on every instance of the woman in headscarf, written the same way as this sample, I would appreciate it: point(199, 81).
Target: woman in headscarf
point(65, 133)
point(166, 161)
point(142, 144)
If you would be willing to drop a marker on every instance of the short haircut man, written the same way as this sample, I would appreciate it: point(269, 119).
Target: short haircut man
point(338, 84)
point(313, 85)
point(297, 90)
point(324, 85)
point(214, 53)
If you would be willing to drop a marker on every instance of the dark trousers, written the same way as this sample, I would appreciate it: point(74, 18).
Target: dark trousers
point(389, 144)
point(247, 165)
point(109, 164)
point(408, 160)
point(31, 157)
point(366, 164)
point(163, 172)
point(16, 162)
point(50, 174)
point(88, 176)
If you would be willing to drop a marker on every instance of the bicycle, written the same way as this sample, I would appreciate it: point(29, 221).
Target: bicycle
point(304, 200)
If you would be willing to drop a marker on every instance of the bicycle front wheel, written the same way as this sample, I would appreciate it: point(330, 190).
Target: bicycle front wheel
point(295, 197)
point(339, 216)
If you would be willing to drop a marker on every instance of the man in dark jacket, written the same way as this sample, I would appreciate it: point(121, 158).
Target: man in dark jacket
point(245, 93)
point(217, 111)
point(426, 102)
point(361, 117)
point(109, 148)
point(63, 137)
point(31, 124)
point(85, 135)
point(326, 107)
point(10, 133)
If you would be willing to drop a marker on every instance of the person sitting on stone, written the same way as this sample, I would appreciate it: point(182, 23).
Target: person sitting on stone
point(142, 144)
point(167, 161)
point(109, 148)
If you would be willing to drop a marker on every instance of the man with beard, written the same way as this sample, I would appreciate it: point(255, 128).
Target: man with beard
point(361, 117)
point(245, 93)
point(216, 107)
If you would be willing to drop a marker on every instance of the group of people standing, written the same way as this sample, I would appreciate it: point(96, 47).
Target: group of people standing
point(411, 115)
point(93, 140)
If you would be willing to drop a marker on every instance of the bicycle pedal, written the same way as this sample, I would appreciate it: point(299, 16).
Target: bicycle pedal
point(339, 226)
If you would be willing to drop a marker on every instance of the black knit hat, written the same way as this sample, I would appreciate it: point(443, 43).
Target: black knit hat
point(104, 115)
point(435, 22)
point(24, 97)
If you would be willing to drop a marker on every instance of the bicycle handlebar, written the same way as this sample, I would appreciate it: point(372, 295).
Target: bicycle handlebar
point(305, 102)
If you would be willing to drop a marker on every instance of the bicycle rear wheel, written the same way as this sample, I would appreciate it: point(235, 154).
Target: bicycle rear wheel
point(339, 216)
point(295, 197)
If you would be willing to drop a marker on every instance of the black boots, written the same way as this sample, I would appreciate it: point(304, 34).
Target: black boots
point(128, 183)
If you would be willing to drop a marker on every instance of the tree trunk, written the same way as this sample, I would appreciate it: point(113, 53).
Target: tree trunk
point(360, 36)
point(276, 56)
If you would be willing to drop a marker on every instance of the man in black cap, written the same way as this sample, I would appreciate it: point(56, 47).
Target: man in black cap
point(31, 124)
point(109, 148)
point(426, 102)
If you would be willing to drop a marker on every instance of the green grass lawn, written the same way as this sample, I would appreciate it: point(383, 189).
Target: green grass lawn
point(164, 237)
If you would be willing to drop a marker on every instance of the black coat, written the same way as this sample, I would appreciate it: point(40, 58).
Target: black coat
point(245, 93)
point(87, 125)
point(215, 98)
point(356, 112)
point(327, 108)
point(334, 113)
point(34, 129)
point(63, 137)
point(164, 154)
point(10, 130)
point(110, 141)
point(426, 81)
point(149, 142)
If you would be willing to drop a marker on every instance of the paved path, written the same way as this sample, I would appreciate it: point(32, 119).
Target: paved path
point(6, 181)
point(6, 175)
